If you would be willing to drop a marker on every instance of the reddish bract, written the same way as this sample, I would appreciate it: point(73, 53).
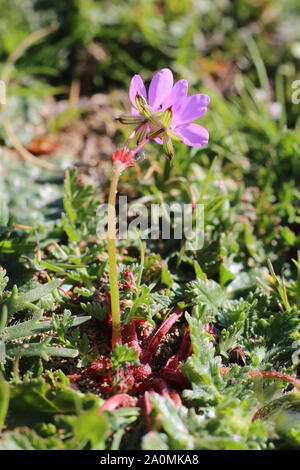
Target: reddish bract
point(123, 156)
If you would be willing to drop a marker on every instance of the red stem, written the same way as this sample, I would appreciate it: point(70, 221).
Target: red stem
point(267, 374)
point(148, 407)
point(162, 388)
point(117, 400)
point(171, 371)
point(142, 144)
point(161, 332)
point(133, 133)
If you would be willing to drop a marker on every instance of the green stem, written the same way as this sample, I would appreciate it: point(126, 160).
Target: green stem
point(112, 254)
point(142, 252)
point(111, 241)
point(137, 298)
point(298, 282)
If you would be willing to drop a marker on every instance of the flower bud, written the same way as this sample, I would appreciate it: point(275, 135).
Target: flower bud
point(141, 134)
point(130, 119)
point(168, 147)
point(166, 117)
point(140, 102)
point(144, 109)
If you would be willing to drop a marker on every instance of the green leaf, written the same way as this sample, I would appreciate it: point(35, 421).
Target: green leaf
point(91, 427)
point(43, 350)
point(166, 277)
point(34, 326)
point(155, 441)
point(4, 399)
point(3, 279)
point(208, 294)
point(16, 302)
point(202, 368)
point(172, 422)
point(39, 396)
point(121, 355)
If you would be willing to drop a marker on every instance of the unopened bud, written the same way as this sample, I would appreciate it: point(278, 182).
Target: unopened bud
point(144, 109)
point(140, 134)
point(140, 102)
point(168, 147)
point(166, 117)
point(130, 119)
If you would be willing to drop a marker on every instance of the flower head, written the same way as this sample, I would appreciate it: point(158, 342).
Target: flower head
point(166, 112)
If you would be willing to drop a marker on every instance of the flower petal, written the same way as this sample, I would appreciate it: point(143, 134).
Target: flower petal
point(192, 108)
point(192, 135)
point(177, 95)
point(160, 87)
point(134, 111)
point(137, 86)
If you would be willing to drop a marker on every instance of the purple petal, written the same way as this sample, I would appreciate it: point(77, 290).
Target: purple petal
point(158, 140)
point(192, 135)
point(177, 95)
point(134, 111)
point(136, 86)
point(160, 87)
point(193, 107)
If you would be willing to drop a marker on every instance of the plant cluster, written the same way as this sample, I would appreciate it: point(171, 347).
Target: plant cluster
point(140, 344)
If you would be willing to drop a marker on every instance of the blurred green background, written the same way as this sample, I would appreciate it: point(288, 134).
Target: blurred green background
point(104, 42)
point(243, 53)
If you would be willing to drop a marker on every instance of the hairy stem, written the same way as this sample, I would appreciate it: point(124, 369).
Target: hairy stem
point(267, 374)
point(112, 253)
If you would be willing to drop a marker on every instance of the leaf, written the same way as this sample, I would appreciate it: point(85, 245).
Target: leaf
point(33, 327)
point(16, 246)
point(233, 320)
point(4, 399)
point(208, 293)
point(3, 279)
point(39, 396)
point(166, 277)
point(122, 355)
point(172, 422)
point(3, 319)
point(155, 441)
point(202, 368)
point(16, 302)
point(95, 310)
point(2, 352)
point(60, 267)
point(213, 205)
point(26, 439)
point(43, 350)
point(91, 427)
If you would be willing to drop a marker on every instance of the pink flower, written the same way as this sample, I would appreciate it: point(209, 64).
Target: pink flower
point(166, 108)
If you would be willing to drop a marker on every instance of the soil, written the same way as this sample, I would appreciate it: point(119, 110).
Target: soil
point(89, 141)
